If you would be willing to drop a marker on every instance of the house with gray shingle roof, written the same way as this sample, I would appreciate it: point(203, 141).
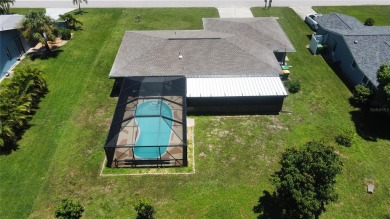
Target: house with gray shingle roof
point(232, 66)
point(359, 50)
point(12, 43)
point(225, 50)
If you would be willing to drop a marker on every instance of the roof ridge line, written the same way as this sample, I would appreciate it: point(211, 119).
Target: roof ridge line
point(342, 20)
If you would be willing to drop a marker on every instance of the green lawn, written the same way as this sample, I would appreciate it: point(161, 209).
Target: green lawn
point(61, 154)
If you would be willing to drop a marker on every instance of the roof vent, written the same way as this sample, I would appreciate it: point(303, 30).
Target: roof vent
point(356, 42)
point(180, 56)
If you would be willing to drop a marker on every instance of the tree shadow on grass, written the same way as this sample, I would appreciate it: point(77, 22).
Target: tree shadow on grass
point(267, 206)
point(372, 124)
point(80, 12)
point(44, 55)
point(78, 28)
point(8, 149)
point(11, 146)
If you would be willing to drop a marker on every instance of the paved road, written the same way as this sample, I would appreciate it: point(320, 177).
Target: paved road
point(190, 3)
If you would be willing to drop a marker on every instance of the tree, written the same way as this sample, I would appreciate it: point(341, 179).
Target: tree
point(362, 95)
point(37, 27)
point(78, 2)
point(30, 81)
point(18, 98)
point(144, 210)
point(304, 185)
point(369, 22)
point(7, 135)
point(69, 209)
point(5, 6)
point(383, 76)
point(15, 108)
point(14, 114)
point(70, 21)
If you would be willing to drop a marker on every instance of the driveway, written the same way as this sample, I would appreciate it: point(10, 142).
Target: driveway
point(303, 11)
point(56, 12)
point(235, 12)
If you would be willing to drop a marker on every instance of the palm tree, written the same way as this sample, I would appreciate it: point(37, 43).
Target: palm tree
point(37, 27)
point(30, 81)
point(78, 2)
point(16, 107)
point(7, 135)
point(18, 98)
point(70, 21)
point(14, 114)
point(5, 5)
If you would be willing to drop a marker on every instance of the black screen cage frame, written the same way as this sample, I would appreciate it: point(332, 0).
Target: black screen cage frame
point(135, 90)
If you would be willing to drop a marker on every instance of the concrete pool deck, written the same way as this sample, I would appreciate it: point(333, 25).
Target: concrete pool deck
point(129, 134)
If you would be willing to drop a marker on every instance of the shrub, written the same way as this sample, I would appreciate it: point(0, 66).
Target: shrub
point(293, 86)
point(369, 22)
point(345, 138)
point(65, 34)
point(144, 210)
point(19, 97)
point(362, 95)
point(69, 209)
point(56, 32)
point(383, 76)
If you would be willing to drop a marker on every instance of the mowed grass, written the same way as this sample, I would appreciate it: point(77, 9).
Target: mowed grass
point(321, 110)
point(61, 154)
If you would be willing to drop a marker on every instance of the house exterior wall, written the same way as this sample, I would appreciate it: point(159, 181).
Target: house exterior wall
point(12, 46)
point(235, 105)
point(225, 105)
point(341, 55)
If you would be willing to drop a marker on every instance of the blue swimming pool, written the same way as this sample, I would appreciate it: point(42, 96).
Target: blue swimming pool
point(154, 130)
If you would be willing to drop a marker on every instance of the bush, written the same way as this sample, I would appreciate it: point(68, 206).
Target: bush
point(56, 32)
point(345, 138)
point(19, 97)
point(362, 95)
point(65, 34)
point(369, 22)
point(69, 209)
point(293, 86)
point(144, 210)
point(383, 76)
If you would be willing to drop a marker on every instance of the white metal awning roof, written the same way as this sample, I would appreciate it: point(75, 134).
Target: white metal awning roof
point(235, 86)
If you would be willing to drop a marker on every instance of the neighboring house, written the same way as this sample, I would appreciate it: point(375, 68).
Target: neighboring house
point(359, 50)
point(231, 66)
point(12, 44)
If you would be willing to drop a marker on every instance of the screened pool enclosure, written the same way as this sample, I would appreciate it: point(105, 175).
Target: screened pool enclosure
point(149, 124)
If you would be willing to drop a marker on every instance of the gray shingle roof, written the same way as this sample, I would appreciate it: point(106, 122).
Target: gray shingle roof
point(204, 52)
point(10, 22)
point(369, 52)
point(265, 31)
point(369, 46)
point(339, 22)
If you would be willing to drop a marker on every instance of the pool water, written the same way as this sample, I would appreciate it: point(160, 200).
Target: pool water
point(153, 131)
